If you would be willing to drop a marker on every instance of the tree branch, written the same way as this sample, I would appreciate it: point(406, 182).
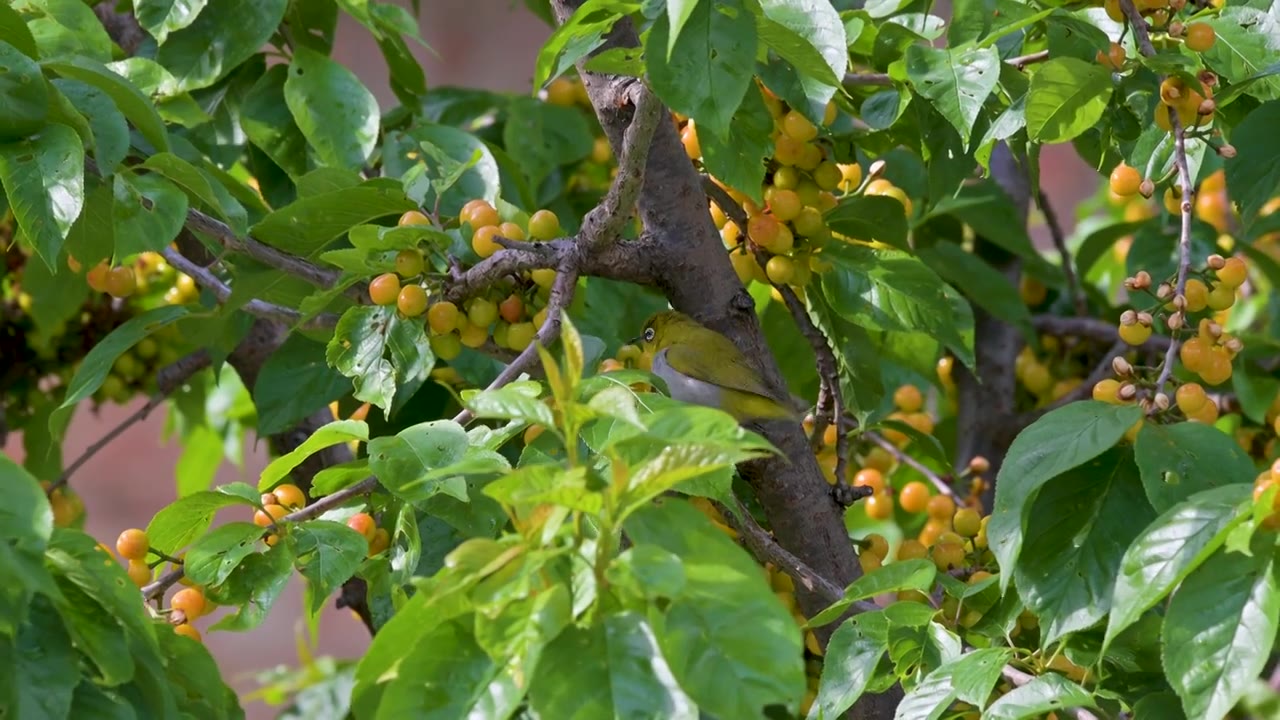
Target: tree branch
point(1060, 242)
point(938, 481)
point(168, 379)
point(607, 219)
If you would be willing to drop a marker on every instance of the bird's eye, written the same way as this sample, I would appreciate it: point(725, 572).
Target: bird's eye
point(648, 335)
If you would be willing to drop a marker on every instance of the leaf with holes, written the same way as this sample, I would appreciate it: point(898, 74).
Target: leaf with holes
point(957, 82)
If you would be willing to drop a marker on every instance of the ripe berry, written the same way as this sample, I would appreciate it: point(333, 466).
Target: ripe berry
point(1125, 180)
point(474, 336)
point(412, 300)
point(413, 217)
point(908, 398)
point(1221, 297)
point(1217, 367)
point(914, 497)
point(521, 335)
point(785, 205)
point(1199, 37)
point(1197, 294)
point(770, 234)
point(511, 309)
point(941, 507)
point(381, 541)
point(384, 289)
point(483, 241)
point(482, 312)
point(879, 506)
point(851, 176)
point(190, 601)
point(1233, 273)
point(798, 127)
point(887, 189)
point(1190, 398)
point(97, 276)
point(479, 213)
point(139, 573)
point(912, 550)
point(1135, 334)
point(363, 523)
point(876, 545)
point(187, 630)
point(290, 496)
point(1113, 58)
point(446, 346)
point(947, 555)
point(780, 270)
point(544, 225)
point(827, 175)
point(869, 562)
point(409, 263)
point(269, 514)
point(689, 138)
point(967, 522)
point(442, 317)
point(869, 477)
point(133, 544)
point(121, 282)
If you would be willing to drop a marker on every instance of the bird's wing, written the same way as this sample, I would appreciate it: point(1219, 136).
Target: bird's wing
point(730, 368)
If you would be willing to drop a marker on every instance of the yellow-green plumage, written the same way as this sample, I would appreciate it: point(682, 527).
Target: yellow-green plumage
point(704, 367)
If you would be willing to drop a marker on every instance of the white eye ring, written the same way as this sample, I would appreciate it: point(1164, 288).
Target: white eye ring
point(648, 335)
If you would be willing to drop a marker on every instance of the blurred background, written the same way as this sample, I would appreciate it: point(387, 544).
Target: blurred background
point(489, 44)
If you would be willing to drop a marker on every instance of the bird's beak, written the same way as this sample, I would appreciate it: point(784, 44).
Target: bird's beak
point(635, 340)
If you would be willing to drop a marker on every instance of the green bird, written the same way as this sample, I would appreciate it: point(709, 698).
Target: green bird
point(703, 367)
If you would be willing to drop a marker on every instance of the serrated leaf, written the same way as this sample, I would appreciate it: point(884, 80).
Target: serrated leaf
point(216, 554)
point(1044, 694)
point(161, 17)
point(1060, 440)
point(327, 555)
point(146, 227)
point(854, 651)
point(380, 350)
point(870, 217)
point(128, 98)
point(1170, 548)
point(1251, 176)
point(1245, 45)
point(1067, 97)
point(957, 82)
point(177, 524)
point(738, 158)
point(404, 463)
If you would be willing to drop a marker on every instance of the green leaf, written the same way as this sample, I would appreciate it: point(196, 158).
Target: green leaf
point(335, 111)
point(139, 228)
point(215, 555)
point(1042, 695)
point(97, 363)
point(854, 651)
point(870, 217)
point(476, 170)
point(336, 477)
point(1220, 627)
point(179, 523)
point(1252, 177)
point(198, 188)
point(991, 213)
point(542, 137)
point(892, 291)
point(580, 34)
point(55, 300)
point(308, 225)
point(110, 130)
point(678, 12)
point(26, 524)
point(1245, 45)
point(957, 82)
point(971, 678)
point(334, 433)
point(161, 17)
point(447, 675)
point(809, 35)
point(96, 633)
point(629, 678)
point(701, 636)
point(1167, 550)
point(710, 65)
point(44, 666)
point(202, 453)
point(15, 30)
point(44, 180)
point(128, 98)
point(1068, 569)
point(915, 574)
point(1060, 440)
point(328, 554)
point(738, 159)
point(1180, 460)
point(23, 94)
point(270, 126)
point(380, 350)
point(67, 28)
point(236, 28)
point(533, 485)
point(1067, 97)
point(512, 402)
point(293, 383)
point(982, 284)
point(403, 462)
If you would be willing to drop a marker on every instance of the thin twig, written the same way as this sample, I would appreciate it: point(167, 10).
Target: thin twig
point(938, 481)
point(1143, 39)
point(1022, 61)
point(259, 308)
point(1060, 242)
point(167, 380)
point(1084, 390)
point(607, 219)
point(874, 79)
point(319, 507)
point(561, 295)
point(1087, 327)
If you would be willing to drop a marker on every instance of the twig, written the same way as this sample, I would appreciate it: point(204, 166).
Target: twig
point(1022, 61)
point(258, 308)
point(938, 481)
point(167, 380)
point(766, 549)
point(319, 507)
point(1020, 678)
point(1092, 328)
point(561, 295)
point(875, 79)
point(607, 219)
point(1143, 39)
point(1060, 242)
point(1084, 390)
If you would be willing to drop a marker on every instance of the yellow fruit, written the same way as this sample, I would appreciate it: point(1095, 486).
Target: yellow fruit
point(914, 497)
point(1135, 334)
point(133, 544)
point(1125, 180)
point(908, 398)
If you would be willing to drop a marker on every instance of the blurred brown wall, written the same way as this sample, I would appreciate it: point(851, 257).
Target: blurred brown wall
point(480, 43)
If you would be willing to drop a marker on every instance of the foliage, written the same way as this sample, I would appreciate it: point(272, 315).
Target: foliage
point(526, 521)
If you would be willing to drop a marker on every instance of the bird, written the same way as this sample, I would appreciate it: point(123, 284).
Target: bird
point(703, 367)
